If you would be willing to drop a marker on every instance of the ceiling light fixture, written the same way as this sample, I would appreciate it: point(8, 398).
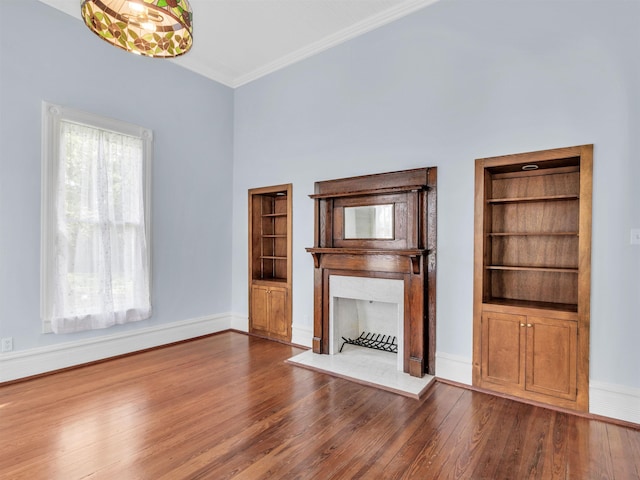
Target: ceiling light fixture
point(155, 28)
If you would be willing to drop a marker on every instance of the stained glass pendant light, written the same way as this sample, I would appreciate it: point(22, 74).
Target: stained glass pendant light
point(155, 28)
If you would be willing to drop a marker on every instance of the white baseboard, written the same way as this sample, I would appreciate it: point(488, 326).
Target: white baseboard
point(454, 368)
point(299, 335)
point(302, 336)
point(40, 360)
point(615, 401)
point(239, 322)
point(608, 400)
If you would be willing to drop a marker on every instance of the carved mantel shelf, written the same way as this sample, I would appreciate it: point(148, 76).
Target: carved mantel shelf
point(375, 191)
point(413, 255)
point(407, 253)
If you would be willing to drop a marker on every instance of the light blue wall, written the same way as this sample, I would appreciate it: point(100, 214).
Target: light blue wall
point(454, 82)
point(451, 83)
point(52, 56)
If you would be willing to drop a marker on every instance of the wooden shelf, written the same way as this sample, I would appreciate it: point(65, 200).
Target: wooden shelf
point(532, 268)
point(272, 257)
point(269, 281)
point(565, 307)
point(369, 251)
point(543, 198)
point(274, 236)
point(531, 234)
point(271, 215)
point(376, 191)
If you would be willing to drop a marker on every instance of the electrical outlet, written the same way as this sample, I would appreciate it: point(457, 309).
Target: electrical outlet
point(7, 344)
point(635, 236)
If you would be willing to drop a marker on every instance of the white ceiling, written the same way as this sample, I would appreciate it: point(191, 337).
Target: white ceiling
point(237, 41)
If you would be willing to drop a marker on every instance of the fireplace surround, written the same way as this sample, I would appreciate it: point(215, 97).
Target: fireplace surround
point(393, 237)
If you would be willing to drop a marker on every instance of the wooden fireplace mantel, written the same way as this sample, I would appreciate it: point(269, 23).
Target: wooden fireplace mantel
point(413, 254)
point(410, 255)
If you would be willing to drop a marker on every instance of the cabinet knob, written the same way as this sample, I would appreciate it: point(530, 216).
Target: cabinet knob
point(529, 325)
point(522, 324)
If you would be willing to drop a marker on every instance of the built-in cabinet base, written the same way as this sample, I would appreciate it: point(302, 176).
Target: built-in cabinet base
point(269, 307)
point(530, 354)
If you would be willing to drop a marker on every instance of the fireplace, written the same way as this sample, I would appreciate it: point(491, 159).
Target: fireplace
point(375, 239)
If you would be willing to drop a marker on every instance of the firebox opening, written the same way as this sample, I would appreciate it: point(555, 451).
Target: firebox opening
point(367, 312)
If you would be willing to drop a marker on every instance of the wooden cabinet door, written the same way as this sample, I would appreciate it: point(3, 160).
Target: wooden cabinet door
point(503, 347)
point(278, 317)
point(259, 308)
point(552, 357)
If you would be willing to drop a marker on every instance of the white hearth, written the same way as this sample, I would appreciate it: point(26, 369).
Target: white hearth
point(367, 367)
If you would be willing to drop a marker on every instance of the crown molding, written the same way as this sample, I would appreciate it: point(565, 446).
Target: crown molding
point(334, 39)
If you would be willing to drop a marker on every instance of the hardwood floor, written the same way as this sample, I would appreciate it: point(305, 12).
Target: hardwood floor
point(227, 406)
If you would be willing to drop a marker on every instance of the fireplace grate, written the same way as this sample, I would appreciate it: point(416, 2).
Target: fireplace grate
point(386, 343)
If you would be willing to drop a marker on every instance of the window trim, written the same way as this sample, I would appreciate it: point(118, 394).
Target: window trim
point(52, 114)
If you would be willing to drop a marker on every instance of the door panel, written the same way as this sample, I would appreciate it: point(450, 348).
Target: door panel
point(278, 312)
point(552, 357)
point(503, 348)
point(259, 309)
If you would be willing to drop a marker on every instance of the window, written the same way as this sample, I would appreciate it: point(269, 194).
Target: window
point(95, 269)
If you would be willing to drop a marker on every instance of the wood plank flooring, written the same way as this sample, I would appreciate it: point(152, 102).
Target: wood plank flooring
point(229, 407)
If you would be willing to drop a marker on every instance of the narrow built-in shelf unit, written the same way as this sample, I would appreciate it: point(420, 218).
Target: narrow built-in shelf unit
point(532, 274)
point(270, 261)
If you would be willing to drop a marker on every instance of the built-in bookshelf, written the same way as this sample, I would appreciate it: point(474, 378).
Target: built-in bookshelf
point(532, 274)
point(270, 261)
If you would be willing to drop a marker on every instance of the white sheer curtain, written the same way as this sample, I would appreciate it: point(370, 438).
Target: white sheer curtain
point(101, 272)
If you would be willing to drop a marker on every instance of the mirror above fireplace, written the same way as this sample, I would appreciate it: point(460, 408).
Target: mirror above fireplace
point(369, 222)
